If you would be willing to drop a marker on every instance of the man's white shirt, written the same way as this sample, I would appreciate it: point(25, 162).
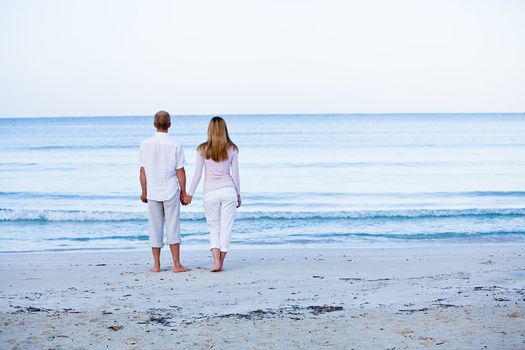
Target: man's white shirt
point(161, 156)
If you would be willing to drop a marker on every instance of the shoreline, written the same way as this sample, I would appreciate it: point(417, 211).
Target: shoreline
point(405, 244)
point(454, 296)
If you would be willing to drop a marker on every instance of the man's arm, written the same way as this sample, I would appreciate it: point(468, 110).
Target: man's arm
point(181, 176)
point(144, 195)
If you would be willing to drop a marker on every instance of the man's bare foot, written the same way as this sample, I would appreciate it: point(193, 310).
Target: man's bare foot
point(155, 268)
point(180, 268)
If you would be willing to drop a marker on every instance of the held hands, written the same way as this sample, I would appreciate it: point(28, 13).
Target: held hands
point(185, 199)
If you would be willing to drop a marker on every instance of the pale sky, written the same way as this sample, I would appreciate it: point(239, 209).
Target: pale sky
point(125, 57)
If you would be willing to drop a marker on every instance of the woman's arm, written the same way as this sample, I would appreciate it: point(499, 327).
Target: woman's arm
point(197, 175)
point(235, 177)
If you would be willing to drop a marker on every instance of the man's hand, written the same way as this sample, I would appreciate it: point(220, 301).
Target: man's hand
point(239, 202)
point(185, 199)
point(181, 176)
point(144, 197)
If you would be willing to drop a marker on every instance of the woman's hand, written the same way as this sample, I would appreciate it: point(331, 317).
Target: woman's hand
point(239, 202)
point(187, 199)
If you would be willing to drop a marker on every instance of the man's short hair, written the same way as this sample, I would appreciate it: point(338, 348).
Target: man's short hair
point(162, 120)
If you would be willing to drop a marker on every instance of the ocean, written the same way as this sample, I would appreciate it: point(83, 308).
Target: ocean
point(306, 180)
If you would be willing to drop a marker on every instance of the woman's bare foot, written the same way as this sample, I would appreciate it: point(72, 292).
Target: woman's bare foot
point(216, 253)
point(156, 268)
point(216, 267)
point(180, 268)
point(221, 258)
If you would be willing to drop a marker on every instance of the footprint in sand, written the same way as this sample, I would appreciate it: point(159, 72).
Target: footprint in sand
point(407, 333)
point(488, 262)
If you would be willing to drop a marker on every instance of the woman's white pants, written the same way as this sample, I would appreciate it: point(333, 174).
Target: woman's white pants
point(220, 206)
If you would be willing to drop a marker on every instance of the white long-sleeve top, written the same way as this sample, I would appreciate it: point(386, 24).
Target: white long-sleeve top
point(217, 174)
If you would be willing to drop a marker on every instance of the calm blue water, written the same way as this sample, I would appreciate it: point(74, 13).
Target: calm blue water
point(345, 180)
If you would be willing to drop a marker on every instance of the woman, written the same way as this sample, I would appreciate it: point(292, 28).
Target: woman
point(222, 194)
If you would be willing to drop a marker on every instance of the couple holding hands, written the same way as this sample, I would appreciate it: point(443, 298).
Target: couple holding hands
point(163, 182)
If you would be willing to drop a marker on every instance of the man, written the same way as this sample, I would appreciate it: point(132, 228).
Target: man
point(161, 175)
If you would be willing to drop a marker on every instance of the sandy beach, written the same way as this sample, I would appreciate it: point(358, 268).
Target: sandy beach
point(446, 297)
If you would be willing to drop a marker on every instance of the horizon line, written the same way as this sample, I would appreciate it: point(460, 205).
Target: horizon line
point(252, 114)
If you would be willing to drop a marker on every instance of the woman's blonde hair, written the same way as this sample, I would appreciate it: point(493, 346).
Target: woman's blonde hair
point(218, 143)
